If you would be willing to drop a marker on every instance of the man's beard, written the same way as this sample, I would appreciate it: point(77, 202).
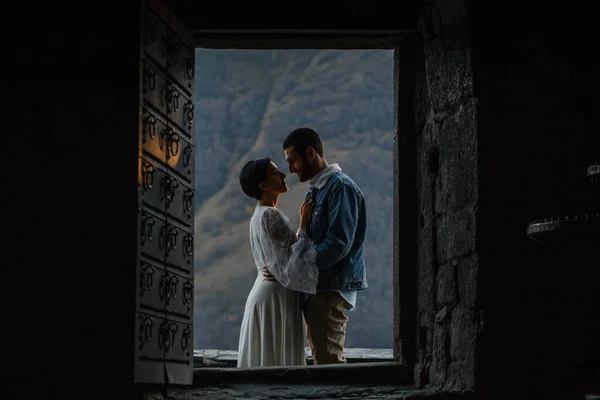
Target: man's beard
point(307, 172)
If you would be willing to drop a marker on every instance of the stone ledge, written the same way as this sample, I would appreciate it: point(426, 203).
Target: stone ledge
point(228, 358)
point(261, 391)
point(380, 373)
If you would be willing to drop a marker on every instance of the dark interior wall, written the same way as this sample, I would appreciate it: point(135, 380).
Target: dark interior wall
point(506, 116)
point(68, 171)
point(506, 122)
point(352, 15)
point(537, 90)
point(447, 192)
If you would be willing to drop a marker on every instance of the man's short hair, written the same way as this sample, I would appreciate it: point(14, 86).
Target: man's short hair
point(303, 138)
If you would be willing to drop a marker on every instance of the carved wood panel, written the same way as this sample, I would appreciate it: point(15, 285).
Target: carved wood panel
point(165, 257)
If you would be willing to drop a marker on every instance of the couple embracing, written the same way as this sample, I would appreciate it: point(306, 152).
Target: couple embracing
point(312, 274)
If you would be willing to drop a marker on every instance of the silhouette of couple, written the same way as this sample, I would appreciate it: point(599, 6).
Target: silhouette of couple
point(314, 272)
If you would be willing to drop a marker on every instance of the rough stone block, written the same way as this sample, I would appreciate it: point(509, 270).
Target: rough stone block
point(424, 186)
point(448, 69)
point(456, 234)
point(421, 374)
point(460, 376)
point(457, 183)
point(426, 320)
point(468, 269)
point(428, 142)
point(425, 340)
point(440, 359)
point(434, 132)
point(463, 332)
point(443, 314)
point(426, 272)
point(447, 290)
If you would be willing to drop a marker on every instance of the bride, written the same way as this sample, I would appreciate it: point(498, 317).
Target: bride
point(272, 333)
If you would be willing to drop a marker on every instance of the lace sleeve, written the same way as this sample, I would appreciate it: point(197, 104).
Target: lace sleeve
point(290, 258)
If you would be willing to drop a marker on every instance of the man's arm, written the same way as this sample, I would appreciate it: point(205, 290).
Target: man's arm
point(343, 220)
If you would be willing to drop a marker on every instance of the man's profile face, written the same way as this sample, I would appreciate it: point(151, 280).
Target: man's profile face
point(298, 164)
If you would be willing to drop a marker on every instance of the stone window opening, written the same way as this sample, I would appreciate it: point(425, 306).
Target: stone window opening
point(399, 369)
point(223, 278)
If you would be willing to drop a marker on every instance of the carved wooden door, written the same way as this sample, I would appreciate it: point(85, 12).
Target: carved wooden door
point(165, 257)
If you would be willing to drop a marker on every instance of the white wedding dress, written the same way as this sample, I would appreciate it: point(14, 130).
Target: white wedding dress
point(272, 333)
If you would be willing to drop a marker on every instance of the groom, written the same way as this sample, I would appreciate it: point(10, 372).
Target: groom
point(338, 229)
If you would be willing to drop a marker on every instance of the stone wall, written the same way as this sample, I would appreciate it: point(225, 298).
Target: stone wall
point(448, 196)
point(507, 123)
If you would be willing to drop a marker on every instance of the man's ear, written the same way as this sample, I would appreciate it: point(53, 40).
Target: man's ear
point(262, 186)
point(310, 153)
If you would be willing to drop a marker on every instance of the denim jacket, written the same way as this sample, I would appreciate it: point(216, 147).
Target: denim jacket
point(338, 229)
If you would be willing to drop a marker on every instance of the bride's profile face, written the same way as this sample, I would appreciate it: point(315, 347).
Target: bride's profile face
point(275, 180)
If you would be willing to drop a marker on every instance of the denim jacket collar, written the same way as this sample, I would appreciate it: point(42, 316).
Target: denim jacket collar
point(323, 176)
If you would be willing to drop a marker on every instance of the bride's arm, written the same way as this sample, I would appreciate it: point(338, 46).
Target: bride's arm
point(276, 229)
point(290, 258)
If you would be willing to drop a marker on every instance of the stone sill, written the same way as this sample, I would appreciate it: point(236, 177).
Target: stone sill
point(379, 373)
point(212, 358)
point(259, 391)
point(365, 366)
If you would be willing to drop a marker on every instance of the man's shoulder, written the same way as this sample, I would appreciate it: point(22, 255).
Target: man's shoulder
point(340, 178)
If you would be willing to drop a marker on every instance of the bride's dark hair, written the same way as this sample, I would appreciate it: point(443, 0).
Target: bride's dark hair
point(252, 174)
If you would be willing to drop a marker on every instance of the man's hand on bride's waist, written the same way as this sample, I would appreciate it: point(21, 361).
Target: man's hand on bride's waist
point(267, 275)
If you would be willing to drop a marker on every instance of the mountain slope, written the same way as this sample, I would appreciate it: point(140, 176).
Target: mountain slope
point(247, 102)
